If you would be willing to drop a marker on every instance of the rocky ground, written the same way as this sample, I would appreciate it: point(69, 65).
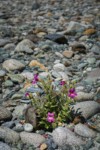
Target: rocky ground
point(59, 37)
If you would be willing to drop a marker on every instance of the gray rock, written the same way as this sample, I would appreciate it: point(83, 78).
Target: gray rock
point(19, 110)
point(60, 39)
point(5, 114)
point(12, 64)
point(88, 108)
point(2, 73)
point(59, 67)
point(82, 96)
point(28, 127)
point(91, 60)
point(9, 135)
point(9, 124)
point(63, 136)
point(18, 128)
point(8, 83)
point(4, 42)
point(32, 138)
point(93, 75)
point(95, 49)
point(4, 146)
point(84, 131)
point(9, 46)
point(75, 26)
point(27, 75)
point(16, 78)
point(25, 46)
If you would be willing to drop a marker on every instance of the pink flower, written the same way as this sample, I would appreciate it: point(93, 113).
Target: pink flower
point(27, 94)
point(62, 83)
point(35, 79)
point(72, 93)
point(50, 117)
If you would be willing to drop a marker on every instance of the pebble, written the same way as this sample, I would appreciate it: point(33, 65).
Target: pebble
point(12, 64)
point(25, 46)
point(75, 26)
point(84, 131)
point(28, 127)
point(2, 73)
point(68, 54)
point(5, 114)
point(59, 67)
point(32, 138)
point(36, 35)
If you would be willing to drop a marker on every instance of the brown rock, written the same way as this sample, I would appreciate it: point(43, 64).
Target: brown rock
point(68, 54)
point(35, 63)
point(89, 31)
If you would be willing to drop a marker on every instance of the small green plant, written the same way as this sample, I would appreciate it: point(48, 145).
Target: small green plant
point(53, 106)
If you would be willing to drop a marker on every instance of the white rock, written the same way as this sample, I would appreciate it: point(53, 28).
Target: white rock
point(25, 46)
point(32, 138)
point(84, 131)
point(63, 136)
point(88, 108)
point(12, 64)
point(28, 127)
point(59, 67)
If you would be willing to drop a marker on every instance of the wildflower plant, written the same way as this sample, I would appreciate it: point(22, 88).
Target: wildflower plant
point(52, 107)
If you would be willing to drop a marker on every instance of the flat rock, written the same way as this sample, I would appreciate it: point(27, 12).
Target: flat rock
point(25, 46)
point(63, 136)
point(88, 108)
point(32, 138)
point(5, 114)
point(12, 64)
point(4, 146)
point(82, 96)
point(9, 135)
point(84, 131)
